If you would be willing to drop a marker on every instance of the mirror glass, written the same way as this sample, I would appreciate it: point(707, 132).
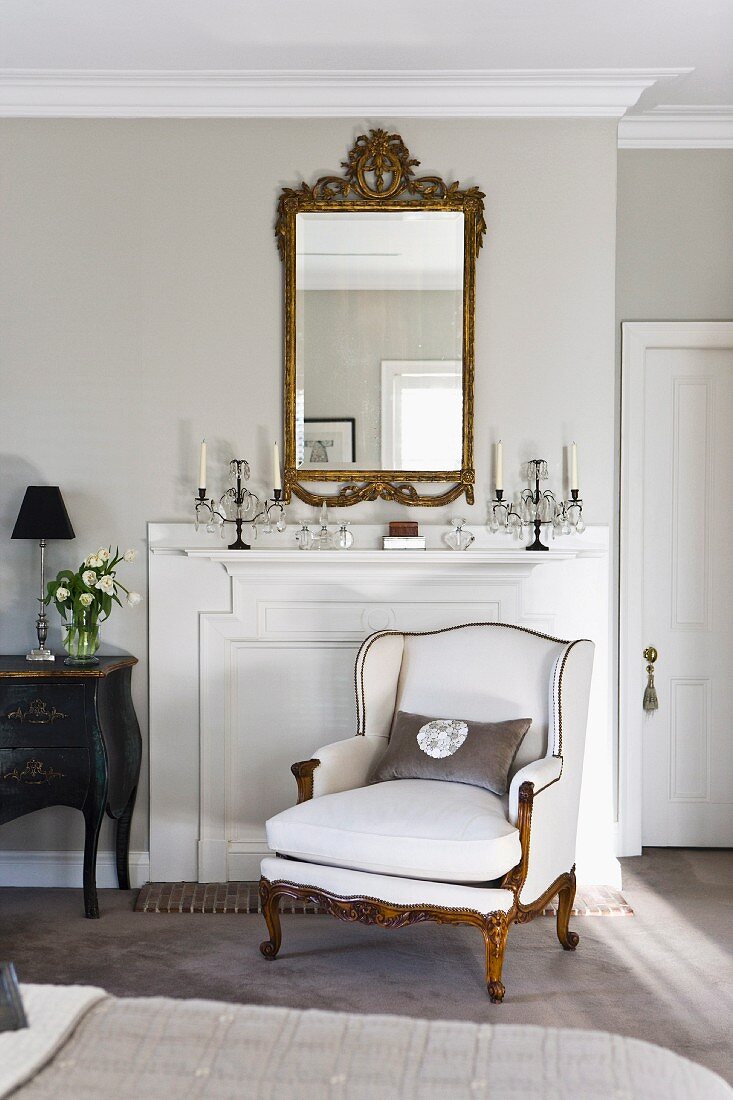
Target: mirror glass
point(379, 340)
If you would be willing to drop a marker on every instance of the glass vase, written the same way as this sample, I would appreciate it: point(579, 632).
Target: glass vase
point(81, 640)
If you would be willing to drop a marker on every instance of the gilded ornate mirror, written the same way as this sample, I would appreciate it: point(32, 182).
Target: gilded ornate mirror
point(379, 321)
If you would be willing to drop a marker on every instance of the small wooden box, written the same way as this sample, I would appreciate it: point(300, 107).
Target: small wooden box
point(402, 529)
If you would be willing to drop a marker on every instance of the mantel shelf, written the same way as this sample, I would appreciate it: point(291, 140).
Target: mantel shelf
point(511, 561)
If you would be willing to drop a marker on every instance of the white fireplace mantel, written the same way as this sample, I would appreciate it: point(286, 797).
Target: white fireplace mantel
point(251, 668)
point(516, 558)
point(512, 563)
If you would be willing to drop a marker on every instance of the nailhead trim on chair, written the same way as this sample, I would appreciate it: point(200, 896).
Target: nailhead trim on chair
point(369, 642)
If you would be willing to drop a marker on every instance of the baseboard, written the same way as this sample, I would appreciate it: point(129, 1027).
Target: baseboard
point(65, 869)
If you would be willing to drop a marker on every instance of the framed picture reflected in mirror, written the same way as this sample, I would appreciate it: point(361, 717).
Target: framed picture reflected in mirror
point(329, 442)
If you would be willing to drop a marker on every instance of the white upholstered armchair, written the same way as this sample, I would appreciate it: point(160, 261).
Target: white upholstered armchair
point(408, 850)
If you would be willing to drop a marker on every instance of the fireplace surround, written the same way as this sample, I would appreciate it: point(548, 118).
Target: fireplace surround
point(251, 668)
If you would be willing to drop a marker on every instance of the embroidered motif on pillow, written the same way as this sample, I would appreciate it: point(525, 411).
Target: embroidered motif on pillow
point(442, 737)
point(453, 749)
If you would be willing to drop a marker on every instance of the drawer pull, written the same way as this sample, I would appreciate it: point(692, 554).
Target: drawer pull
point(38, 714)
point(34, 774)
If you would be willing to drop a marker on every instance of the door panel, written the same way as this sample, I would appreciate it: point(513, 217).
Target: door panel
point(687, 596)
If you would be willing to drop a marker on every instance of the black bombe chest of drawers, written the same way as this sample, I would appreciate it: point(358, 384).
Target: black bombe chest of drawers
point(69, 736)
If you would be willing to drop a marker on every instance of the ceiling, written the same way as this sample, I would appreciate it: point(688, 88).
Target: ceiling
point(395, 35)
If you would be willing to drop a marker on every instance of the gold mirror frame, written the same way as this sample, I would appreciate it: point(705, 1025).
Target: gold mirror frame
point(384, 159)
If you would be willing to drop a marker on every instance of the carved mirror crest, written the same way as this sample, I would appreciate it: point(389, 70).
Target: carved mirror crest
point(380, 271)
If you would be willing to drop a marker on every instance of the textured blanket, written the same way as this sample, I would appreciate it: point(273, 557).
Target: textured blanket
point(52, 1011)
point(149, 1047)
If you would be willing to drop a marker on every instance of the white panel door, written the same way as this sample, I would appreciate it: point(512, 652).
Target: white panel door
point(681, 527)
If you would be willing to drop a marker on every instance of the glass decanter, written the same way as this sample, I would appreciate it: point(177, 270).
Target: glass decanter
point(458, 538)
point(304, 537)
point(344, 537)
point(324, 538)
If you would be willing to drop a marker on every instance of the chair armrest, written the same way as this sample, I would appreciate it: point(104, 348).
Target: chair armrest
point(546, 815)
point(540, 773)
point(340, 766)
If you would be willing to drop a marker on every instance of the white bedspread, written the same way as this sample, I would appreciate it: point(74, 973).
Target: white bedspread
point(52, 1011)
point(156, 1046)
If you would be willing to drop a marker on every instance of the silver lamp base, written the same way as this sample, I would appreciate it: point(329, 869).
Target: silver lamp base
point(40, 655)
point(41, 652)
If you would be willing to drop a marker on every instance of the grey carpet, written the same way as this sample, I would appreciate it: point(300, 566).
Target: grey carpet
point(665, 975)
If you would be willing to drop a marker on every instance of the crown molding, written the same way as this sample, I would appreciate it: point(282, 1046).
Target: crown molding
point(508, 93)
point(684, 127)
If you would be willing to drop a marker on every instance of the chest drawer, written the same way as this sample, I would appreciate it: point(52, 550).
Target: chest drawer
point(42, 714)
point(30, 780)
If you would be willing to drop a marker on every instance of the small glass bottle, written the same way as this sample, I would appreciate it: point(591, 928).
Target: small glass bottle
point(458, 538)
point(344, 537)
point(324, 539)
point(304, 537)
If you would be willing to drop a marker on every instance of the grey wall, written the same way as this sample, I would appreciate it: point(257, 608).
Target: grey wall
point(674, 245)
point(140, 308)
point(675, 235)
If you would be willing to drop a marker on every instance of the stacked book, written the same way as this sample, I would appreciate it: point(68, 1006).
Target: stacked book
point(403, 536)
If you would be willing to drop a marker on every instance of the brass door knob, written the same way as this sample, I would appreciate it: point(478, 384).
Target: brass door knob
point(651, 702)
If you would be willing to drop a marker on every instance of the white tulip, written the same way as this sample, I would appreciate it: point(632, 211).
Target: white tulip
point(62, 594)
point(134, 598)
point(89, 577)
point(106, 584)
point(130, 555)
point(103, 553)
point(93, 562)
point(86, 599)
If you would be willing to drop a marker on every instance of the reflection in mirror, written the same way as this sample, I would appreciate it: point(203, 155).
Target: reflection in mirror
point(379, 340)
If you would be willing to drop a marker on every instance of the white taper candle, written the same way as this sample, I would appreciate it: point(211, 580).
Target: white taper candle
point(574, 466)
point(202, 465)
point(499, 472)
point(276, 480)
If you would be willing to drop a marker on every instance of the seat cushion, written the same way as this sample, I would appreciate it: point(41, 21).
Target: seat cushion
point(416, 828)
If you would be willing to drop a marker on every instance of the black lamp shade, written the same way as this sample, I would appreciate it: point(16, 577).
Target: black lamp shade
point(43, 515)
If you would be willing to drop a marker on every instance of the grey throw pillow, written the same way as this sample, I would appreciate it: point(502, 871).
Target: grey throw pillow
point(456, 749)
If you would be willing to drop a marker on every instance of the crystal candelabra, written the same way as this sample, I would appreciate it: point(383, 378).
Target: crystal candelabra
point(246, 506)
point(538, 508)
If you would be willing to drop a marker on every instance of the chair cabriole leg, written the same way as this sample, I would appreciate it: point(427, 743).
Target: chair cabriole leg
point(270, 901)
point(566, 897)
point(495, 932)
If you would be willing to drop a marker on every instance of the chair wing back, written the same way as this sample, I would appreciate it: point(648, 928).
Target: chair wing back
point(377, 673)
point(557, 796)
point(488, 672)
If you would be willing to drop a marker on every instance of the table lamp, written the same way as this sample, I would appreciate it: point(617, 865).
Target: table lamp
point(42, 516)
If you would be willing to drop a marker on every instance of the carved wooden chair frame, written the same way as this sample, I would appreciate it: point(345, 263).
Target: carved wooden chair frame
point(493, 926)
